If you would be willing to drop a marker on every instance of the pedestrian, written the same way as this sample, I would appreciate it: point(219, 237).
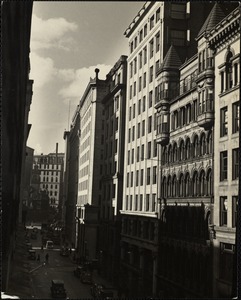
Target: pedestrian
point(42, 247)
point(38, 258)
point(47, 257)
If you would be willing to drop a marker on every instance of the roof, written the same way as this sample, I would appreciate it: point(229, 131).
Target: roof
point(172, 59)
point(216, 15)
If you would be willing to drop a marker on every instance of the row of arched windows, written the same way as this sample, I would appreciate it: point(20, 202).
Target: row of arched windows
point(187, 150)
point(200, 184)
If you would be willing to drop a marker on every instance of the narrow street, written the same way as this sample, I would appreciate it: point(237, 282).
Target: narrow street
point(58, 267)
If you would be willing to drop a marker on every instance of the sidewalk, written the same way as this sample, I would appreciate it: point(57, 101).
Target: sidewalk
point(19, 281)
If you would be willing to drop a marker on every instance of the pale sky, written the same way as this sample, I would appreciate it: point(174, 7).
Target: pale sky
point(68, 41)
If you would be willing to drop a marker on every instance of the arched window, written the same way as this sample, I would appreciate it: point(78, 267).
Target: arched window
point(170, 153)
point(202, 183)
point(174, 152)
point(209, 143)
point(164, 185)
point(195, 184)
point(209, 183)
point(195, 146)
point(187, 185)
point(188, 149)
point(169, 186)
point(229, 70)
point(181, 150)
point(203, 145)
point(174, 186)
point(181, 185)
point(164, 154)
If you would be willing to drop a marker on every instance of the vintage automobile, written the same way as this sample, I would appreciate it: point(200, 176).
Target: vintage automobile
point(57, 289)
point(86, 277)
point(33, 235)
point(78, 270)
point(28, 246)
point(32, 254)
point(49, 244)
point(100, 291)
point(64, 251)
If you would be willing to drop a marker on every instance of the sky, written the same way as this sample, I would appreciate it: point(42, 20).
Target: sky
point(69, 39)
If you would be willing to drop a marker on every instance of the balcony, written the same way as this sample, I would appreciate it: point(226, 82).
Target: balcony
point(205, 117)
point(162, 136)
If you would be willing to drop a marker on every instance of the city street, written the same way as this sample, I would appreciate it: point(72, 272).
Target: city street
point(58, 267)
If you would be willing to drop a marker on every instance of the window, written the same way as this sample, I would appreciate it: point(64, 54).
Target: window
point(151, 22)
point(178, 11)
point(131, 69)
point(229, 71)
point(131, 47)
point(155, 149)
point(132, 156)
point(131, 179)
point(142, 152)
point(235, 167)
point(235, 116)
point(234, 210)
point(138, 130)
point(150, 99)
point(127, 180)
point(141, 202)
point(149, 124)
point(131, 202)
point(137, 178)
point(223, 121)
point(148, 176)
point(157, 42)
point(154, 175)
point(144, 104)
point(143, 127)
point(144, 80)
point(178, 37)
point(134, 92)
point(135, 42)
point(149, 150)
point(135, 63)
point(223, 210)
point(134, 110)
point(142, 177)
point(151, 47)
point(138, 154)
point(128, 157)
point(140, 80)
point(223, 165)
point(145, 55)
point(147, 202)
point(139, 106)
point(130, 91)
point(133, 133)
point(145, 30)
point(158, 15)
point(141, 35)
point(140, 60)
point(129, 135)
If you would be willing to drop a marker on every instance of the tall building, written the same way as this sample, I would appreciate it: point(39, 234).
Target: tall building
point(113, 124)
point(193, 259)
point(50, 168)
point(71, 167)
point(91, 154)
point(157, 26)
point(15, 23)
point(224, 40)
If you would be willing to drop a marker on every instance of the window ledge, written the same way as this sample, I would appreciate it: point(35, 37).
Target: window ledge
point(224, 229)
point(222, 94)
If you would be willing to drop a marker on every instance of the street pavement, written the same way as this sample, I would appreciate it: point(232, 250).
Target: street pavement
point(31, 279)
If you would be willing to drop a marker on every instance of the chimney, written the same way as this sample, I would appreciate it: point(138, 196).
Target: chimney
point(96, 73)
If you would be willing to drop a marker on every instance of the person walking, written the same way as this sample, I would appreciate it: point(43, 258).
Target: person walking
point(47, 258)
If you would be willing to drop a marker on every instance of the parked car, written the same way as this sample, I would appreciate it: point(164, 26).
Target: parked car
point(28, 246)
point(78, 270)
point(33, 236)
point(64, 251)
point(86, 277)
point(57, 289)
point(32, 254)
point(100, 291)
point(49, 244)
